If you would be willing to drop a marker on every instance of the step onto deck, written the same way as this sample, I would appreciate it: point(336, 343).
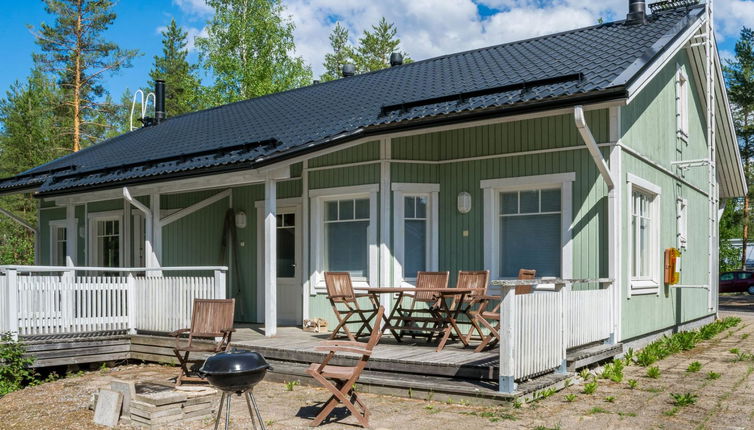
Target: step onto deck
point(424, 387)
point(591, 354)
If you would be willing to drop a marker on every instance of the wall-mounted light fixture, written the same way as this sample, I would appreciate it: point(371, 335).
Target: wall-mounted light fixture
point(240, 219)
point(464, 202)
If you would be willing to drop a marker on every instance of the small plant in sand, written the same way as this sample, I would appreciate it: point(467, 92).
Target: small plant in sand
point(290, 385)
point(685, 399)
point(694, 367)
point(632, 383)
point(585, 374)
point(610, 399)
point(590, 387)
point(653, 372)
point(713, 375)
point(570, 398)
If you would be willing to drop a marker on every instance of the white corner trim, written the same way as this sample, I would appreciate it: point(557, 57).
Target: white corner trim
point(528, 182)
point(345, 191)
point(643, 184)
point(407, 187)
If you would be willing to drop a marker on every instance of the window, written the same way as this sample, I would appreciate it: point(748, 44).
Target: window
point(644, 236)
point(682, 104)
point(105, 244)
point(726, 277)
point(286, 245)
point(344, 233)
point(744, 275)
point(414, 229)
point(528, 225)
point(531, 216)
point(58, 243)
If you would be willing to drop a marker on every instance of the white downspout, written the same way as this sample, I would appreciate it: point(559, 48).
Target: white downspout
point(591, 145)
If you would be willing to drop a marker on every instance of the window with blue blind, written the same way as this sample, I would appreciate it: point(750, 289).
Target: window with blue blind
point(346, 247)
point(415, 235)
point(530, 232)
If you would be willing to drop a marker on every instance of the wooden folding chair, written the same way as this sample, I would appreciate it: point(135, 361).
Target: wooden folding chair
point(483, 317)
point(477, 280)
point(339, 380)
point(210, 319)
point(340, 291)
point(408, 316)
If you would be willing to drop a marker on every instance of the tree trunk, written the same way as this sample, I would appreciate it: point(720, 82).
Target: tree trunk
point(77, 84)
point(745, 234)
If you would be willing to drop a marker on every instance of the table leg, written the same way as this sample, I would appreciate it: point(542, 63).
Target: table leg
point(450, 323)
point(389, 318)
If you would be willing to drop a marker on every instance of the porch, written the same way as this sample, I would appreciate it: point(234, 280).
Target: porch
point(67, 318)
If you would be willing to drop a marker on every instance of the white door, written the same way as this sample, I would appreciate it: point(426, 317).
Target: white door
point(289, 286)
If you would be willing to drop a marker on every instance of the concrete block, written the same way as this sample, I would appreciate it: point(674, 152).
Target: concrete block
point(107, 411)
point(128, 390)
point(162, 398)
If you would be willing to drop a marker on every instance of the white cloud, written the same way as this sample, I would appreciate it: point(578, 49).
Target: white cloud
point(194, 7)
point(731, 15)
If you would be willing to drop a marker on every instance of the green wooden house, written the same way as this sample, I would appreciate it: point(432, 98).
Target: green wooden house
point(583, 155)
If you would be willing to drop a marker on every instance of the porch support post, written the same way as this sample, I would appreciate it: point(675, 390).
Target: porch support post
point(386, 256)
point(71, 234)
point(131, 300)
point(563, 291)
point(149, 259)
point(270, 258)
point(507, 342)
point(12, 316)
point(154, 205)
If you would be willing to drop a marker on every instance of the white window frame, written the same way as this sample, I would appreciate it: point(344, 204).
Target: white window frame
point(682, 220)
point(431, 192)
point(650, 284)
point(54, 226)
point(93, 218)
point(492, 188)
point(682, 104)
point(318, 199)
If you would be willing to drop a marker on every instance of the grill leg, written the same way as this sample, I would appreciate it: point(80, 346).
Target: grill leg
point(227, 410)
point(256, 408)
point(251, 413)
point(220, 410)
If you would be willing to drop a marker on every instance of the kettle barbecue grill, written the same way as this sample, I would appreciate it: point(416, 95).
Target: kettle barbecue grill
point(235, 372)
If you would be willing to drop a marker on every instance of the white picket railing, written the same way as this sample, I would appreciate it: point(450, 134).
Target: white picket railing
point(37, 300)
point(589, 316)
point(537, 329)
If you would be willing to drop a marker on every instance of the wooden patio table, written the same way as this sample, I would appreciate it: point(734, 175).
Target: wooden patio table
point(444, 319)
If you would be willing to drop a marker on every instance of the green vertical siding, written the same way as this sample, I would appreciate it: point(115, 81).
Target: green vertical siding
point(649, 127)
point(364, 152)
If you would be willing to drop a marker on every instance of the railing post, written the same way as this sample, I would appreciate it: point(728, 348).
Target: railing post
point(13, 302)
point(131, 302)
point(507, 342)
point(613, 315)
point(563, 290)
point(220, 288)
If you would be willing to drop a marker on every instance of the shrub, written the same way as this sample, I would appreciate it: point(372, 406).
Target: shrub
point(15, 369)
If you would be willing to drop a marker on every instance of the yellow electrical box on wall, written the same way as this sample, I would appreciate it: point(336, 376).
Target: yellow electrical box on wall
point(672, 266)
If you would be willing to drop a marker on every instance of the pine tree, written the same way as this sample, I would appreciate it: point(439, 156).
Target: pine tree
point(342, 53)
point(28, 137)
point(375, 47)
point(182, 86)
point(248, 49)
point(739, 76)
point(74, 49)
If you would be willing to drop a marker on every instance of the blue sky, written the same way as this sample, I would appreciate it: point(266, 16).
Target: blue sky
point(427, 27)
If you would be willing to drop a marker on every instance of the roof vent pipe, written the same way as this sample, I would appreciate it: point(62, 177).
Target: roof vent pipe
point(348, 70)
point(396, 59)
point(637, 12)
point(159, 100)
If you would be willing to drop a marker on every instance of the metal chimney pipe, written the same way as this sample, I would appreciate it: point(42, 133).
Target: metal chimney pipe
point(396, 59)
point(348, 70)
point(637, 12)
point(159, 100)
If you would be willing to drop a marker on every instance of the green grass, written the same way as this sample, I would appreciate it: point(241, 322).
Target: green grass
point(713, 375)
point(626, 414)
point(653, 372)
point(590, 387)
point(598, 410)
point(685, 399)
point(671, 412)
point(694, 367)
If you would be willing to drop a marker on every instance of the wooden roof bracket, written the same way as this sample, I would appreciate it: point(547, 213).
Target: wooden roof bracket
point(591, 145)
point(18, 220)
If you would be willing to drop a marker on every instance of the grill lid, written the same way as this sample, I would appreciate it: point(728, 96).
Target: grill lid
point(234, 361)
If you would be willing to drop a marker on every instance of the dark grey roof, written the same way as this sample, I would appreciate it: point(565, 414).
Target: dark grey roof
point(586, 63)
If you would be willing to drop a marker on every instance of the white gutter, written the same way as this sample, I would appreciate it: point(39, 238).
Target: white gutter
point(18, 220)
point(591, 145)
